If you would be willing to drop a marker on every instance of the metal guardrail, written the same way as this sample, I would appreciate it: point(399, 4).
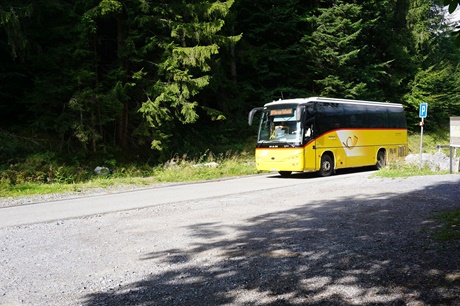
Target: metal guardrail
point(439, 147)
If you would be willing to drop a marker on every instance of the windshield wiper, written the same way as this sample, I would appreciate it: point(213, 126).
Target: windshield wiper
point(287, 143)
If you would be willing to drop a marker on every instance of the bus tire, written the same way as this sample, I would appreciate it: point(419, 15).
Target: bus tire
point(285, 173)
point(381, 160)
point(327, 165)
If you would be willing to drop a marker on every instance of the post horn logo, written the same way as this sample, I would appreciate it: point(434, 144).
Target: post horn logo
point(351, 142)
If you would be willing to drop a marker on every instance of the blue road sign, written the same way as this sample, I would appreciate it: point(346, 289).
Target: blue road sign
point(423, 110)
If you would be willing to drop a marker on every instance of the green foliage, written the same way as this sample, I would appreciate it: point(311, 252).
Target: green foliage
point(15, 148)
point(270, 60)
point(436, 80)
point(42, 168)
point(42, 174)
point(430, 143)
point(333, 51)
point(10, 146)
point(116, 78)
point(206, 167)
point(12, 19)
point(437, 87)
point(398, 170)
point(387, 57)
point(183, 73)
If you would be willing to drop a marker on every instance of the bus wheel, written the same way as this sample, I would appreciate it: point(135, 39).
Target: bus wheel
point(327, 165)
point(285, 173)
point(381, 160)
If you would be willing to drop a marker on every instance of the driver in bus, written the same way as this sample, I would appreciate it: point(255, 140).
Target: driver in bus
point(281, 128)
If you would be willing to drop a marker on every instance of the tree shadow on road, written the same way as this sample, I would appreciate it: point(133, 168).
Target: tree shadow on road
point(376, 251)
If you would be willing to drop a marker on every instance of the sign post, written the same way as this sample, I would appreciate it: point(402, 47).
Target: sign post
point(422, 114)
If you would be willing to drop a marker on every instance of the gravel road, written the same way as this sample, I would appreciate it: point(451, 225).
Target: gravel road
point(352, 239)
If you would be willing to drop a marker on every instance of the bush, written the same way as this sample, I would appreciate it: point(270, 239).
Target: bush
point(42, 168)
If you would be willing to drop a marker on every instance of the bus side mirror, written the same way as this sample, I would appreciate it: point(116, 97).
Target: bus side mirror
point(252, 113)
point(300, 113)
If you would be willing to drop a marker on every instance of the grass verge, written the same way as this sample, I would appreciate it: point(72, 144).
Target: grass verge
point(41, 174)
point(430, 142)
point(15, 183)
point(396, 170)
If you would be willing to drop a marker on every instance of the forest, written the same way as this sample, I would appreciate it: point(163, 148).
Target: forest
point(142, 80)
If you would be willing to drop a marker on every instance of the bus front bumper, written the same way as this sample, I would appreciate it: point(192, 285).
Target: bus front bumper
point(280, 159)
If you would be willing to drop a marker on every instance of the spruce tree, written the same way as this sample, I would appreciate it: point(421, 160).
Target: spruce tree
point(186, 64)
point(333, 50)
point(437, 77)
point(270, 58)
point(13, 49)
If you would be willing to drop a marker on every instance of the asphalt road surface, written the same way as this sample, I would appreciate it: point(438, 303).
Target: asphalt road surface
point(350, 239)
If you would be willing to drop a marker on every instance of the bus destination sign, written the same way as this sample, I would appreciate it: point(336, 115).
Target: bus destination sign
point(283, 111)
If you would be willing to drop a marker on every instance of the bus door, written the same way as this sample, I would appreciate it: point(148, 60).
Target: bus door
point(310, 145)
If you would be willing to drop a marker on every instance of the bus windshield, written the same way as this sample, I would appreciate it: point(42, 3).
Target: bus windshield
point(280, 126)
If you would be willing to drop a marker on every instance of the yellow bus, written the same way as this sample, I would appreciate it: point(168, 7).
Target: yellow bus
point(324, 134)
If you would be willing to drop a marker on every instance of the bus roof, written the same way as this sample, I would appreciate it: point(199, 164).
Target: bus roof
point(331, 100)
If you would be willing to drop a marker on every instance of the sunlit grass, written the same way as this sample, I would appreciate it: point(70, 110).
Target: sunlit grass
point(31, 188)
point(429, 145)
point(396, 170)
point(30, 179)
point(179, 170)
point(186, 172)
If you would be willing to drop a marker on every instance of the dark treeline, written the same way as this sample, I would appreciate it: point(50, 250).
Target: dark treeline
point(148, 79)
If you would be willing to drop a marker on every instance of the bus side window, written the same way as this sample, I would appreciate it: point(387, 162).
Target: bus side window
point(355, 116)
point(330, 117)
point(378, 117)
point(396, 118)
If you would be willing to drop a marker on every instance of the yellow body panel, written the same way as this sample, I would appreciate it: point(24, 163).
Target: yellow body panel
point(350, 148)
point(280, 159)
point(310, 157)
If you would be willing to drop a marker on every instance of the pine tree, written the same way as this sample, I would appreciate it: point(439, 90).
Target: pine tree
point(12, 18)
point(333, 51)
point(437, 78)
point(185, 68)
point(270, 58)
point(13, 49)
